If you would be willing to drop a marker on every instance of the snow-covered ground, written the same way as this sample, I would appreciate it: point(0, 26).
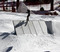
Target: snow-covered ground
point(29, 42)
point(6, 26)
point(23, 16)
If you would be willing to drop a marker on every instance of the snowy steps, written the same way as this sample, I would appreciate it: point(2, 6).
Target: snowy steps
point(33, 27)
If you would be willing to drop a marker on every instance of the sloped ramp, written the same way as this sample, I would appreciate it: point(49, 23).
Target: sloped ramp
point(33, 27)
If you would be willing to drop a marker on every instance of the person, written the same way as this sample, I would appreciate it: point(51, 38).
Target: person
point(28, 11)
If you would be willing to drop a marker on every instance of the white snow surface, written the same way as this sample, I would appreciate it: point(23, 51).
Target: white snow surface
point(23, 16)
point(6, 26)
point(30, 42)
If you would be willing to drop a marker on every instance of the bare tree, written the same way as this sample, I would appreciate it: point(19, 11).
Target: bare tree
point(17, 4)
point(52, 5)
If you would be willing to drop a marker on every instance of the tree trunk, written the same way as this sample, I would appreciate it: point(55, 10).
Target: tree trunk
point(17, 4)
point(52, 5)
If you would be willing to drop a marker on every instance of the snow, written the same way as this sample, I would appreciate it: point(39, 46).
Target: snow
point(42, 42)
point(56, 27)
point(23, 16)
point(6, 26)
point(12, 16)
point(31, 42)
point(37, 7)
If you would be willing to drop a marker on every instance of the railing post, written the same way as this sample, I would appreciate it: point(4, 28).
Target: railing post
point(3, 5)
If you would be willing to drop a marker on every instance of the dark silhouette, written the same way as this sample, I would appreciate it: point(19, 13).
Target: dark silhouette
point(9, 49)
point(41, 9)
point(28, 11)
point(17, 4)
point(52, 3)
